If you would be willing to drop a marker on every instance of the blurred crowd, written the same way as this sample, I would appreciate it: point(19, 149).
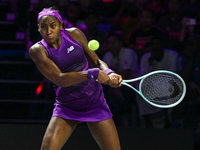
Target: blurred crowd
point(136, 37)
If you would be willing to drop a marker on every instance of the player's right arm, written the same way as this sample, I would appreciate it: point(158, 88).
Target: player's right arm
point(50, 70)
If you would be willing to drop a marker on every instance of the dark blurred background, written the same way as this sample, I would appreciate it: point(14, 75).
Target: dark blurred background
point(26, 97)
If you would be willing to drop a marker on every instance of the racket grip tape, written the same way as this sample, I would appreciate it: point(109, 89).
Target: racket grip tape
point(93, 73)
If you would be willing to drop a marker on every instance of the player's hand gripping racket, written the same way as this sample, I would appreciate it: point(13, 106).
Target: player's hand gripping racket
point(161, 88)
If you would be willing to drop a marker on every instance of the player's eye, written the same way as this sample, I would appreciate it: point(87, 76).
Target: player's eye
point(43, 27)
point(53, 26)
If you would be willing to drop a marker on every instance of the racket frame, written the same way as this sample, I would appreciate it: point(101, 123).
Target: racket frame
point(125, 82)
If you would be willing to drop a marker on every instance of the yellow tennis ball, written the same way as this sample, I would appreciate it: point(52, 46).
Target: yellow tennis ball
point(93, 45)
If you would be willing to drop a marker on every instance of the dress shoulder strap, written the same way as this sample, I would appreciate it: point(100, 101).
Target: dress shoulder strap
point(66, 35)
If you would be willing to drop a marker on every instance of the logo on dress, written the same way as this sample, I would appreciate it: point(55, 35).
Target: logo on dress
point(70, 49)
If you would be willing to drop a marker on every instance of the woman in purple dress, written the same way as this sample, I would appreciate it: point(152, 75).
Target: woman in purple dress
point(64, 58)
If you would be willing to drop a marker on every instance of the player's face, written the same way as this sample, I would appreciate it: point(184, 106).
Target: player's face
point(49, 28)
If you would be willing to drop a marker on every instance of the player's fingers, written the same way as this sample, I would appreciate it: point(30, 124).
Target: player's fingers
point(120, 79)
point(115, 81)
point(106, 81)
point(103, 78)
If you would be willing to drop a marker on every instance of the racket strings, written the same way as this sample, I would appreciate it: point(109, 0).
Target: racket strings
point(162, 88)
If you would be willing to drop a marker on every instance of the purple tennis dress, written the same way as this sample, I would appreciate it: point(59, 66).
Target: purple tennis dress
point(83, 102)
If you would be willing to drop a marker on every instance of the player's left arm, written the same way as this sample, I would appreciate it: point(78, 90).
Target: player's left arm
point(92, 57)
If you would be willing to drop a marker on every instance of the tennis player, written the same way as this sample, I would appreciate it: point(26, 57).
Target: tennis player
point(64, 58)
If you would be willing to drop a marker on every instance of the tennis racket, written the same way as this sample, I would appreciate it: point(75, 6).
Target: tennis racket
point(163, 89)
